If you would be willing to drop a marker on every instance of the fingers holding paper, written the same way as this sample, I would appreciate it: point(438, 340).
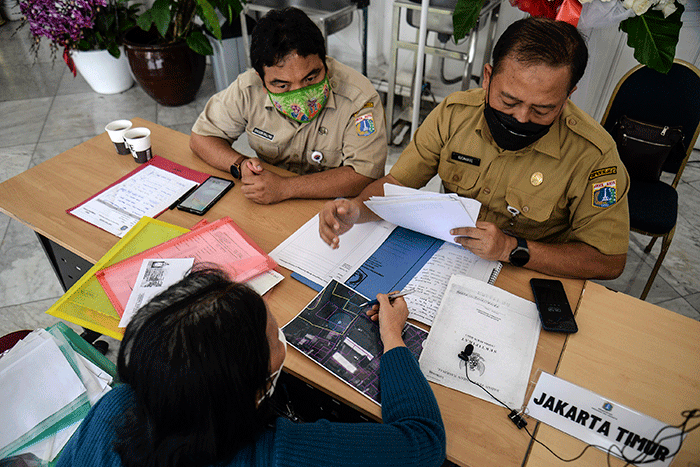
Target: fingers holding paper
point(336, 218)
point(485, 240)
point(392, 316)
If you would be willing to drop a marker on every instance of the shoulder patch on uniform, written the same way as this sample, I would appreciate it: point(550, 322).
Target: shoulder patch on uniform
point(604, 194)
point(600, 172)
point(364, 124)
point(368, 105)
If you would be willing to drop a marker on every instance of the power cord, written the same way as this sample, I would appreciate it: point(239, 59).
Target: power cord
point(518, 420)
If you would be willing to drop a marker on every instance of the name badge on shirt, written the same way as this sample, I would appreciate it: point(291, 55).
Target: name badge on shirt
point(263, 134)
point(466, 159)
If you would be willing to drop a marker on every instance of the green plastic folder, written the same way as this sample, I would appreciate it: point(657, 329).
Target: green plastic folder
point(70, 344)
point(86, 303)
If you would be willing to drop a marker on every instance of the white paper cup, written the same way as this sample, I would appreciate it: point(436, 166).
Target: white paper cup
point(139, 142)
point(116, 130)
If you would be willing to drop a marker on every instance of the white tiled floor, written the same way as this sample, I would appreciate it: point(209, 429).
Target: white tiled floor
point(45, 110)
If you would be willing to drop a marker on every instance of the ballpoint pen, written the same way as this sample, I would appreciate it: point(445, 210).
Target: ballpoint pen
point(392, 297)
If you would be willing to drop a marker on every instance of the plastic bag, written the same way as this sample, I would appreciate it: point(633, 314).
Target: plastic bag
point(599, 14)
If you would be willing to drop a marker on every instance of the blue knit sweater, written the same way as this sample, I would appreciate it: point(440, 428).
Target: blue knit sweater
point(412, 433)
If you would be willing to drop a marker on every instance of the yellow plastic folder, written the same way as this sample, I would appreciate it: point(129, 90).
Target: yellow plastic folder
point(86, 303)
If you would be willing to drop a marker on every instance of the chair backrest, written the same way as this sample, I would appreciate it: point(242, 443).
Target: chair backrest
point(671, 99)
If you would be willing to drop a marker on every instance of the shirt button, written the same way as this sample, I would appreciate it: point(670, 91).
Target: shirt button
point(572, 121)
point(526, 208)
point(487, 191)
point(323, 130)
point(455, 178)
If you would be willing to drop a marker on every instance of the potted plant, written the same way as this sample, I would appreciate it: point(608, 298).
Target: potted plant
point(90, 34)
point(167, 50)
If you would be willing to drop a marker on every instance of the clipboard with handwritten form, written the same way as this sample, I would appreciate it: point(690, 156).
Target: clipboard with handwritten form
point(221, 243)
point(147, 190)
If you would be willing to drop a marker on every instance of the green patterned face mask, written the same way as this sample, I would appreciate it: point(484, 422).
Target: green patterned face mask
point(304, 104)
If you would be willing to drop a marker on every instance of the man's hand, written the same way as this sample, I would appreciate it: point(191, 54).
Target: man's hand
point(486, 241)
point(336, 218)
point(260, 185)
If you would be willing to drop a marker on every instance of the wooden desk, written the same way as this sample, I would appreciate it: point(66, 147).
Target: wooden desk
point(478, 432)
point(636, 354)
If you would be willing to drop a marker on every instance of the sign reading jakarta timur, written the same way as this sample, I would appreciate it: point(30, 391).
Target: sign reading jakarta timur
point(607, 425)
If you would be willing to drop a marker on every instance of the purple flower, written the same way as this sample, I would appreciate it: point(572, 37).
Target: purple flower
point(60, 21)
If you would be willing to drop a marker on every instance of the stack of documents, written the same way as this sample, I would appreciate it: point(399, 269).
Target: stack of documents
point(47, 386)
point(433, 214)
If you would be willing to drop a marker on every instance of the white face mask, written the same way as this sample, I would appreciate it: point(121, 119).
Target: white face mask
point(276, 375)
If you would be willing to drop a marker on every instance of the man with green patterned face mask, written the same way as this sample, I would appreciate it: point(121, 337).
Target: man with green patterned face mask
point(301, 111)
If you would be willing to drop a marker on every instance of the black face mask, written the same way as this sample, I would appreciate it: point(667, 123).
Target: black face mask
point(509, 133)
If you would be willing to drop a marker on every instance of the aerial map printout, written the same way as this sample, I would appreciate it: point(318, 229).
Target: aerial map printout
point(335, 332)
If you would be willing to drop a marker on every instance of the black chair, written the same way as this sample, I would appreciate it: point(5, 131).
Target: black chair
point(672, 100)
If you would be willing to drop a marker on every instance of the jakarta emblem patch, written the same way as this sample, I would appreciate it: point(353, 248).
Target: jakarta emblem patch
point(605, 194)
point(364, 124)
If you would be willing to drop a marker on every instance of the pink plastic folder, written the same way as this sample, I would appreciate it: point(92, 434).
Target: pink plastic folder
point(221, 243)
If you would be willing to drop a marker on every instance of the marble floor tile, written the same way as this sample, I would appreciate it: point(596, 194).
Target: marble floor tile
point(45, 151)
point(18, 234)
point(25, 122)
point(29, 81)
point(681, 268)
point(16, 47)
point(634, 278)
point(682, 307)
point(14, 160)
point(26, 274)
point(182, 115)
point(87, 114)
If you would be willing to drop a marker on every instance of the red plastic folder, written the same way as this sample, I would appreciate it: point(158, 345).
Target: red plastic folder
point(221, 243)
point(161, 163)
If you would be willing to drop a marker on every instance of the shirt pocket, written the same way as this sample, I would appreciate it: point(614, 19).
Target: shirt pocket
point(458, 178)
point(535, 213)
point(266, 150)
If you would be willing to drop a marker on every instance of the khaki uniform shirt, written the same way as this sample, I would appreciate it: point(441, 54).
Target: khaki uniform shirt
point(569, 186)
point(350, 130)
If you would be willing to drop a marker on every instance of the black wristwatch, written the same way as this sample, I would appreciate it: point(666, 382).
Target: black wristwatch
point(520, 254)
point(236, 168)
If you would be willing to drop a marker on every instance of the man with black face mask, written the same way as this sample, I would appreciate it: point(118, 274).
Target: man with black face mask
point(552, 187)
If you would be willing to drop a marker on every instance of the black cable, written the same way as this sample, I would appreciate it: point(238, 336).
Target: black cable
point(520, 422)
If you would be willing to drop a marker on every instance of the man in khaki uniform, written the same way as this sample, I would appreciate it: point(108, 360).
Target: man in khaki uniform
point(301, 111)
point(552, 186)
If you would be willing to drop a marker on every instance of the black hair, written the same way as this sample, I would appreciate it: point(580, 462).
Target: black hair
point(537, 40)
point(281, 32)
point(197, 359)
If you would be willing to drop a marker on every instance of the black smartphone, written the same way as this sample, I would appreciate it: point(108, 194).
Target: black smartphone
point(554, 308)
point(205, 196)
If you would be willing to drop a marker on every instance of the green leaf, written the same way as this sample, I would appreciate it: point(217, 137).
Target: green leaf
point(208, 15)
point(113, 50)
point(145, 20)
point(465, 16)
point(161, 16)
point(654, 38)
point(198, 42)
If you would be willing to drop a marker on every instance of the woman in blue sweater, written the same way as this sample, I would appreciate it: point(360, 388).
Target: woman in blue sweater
point(199, 364)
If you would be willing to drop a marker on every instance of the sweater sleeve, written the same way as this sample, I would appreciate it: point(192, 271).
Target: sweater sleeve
point(412, 433)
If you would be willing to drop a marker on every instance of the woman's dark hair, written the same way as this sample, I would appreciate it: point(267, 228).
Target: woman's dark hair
point(281, 32)
point(197, 358)
point(537, 40)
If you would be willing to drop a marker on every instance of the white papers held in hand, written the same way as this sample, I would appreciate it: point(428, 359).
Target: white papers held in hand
point(429, 213)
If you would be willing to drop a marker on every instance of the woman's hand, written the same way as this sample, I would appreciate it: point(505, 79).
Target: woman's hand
point(392, 319)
